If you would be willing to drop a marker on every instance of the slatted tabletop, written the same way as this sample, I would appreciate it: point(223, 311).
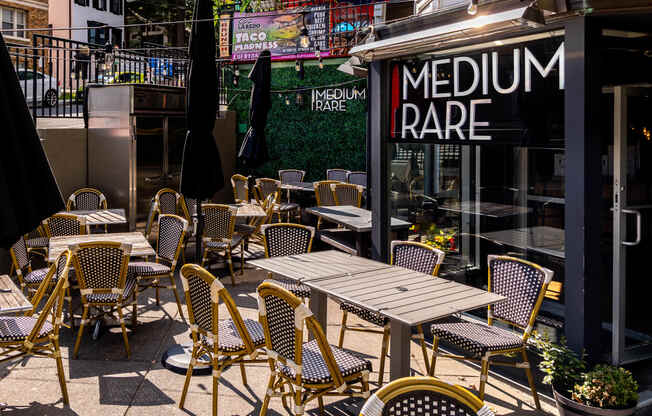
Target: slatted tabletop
point(14, 300)
point(299, 186)
point(249, 211)
point(101, 216)
point(543, 239)
point(140, 247)
point(353, 218)
point(407, 297)
point(486, 209)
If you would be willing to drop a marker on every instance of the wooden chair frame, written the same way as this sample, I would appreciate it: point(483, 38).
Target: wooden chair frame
point(258, 222)
point(282, 171)
point(345, 172)
point(83, 230)
point(48, 345)
point(357, 189)
point(154, 281)
point(485, 361)
point(71, 202)
point(318, 186)
point(386, 332)
point(105, 308)
point(155, 210)
point(303, 392)
point(376, 403)
point(220, 360)
point(236, 197)
point(227, 249)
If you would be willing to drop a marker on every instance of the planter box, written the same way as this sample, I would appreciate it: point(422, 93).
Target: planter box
point(568, 407)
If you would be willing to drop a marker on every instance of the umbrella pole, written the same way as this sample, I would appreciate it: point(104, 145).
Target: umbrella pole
point(199, 233)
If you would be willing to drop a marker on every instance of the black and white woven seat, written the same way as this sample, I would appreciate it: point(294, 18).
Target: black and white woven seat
point(238, 340)
point(266, 187)
point(474, 338)
point(411, 255)
point(19, 328)
point(60, 225)
point(314, 367)
point(86, 199)
point(291, 175)
point(38, 334)
point(219, 237)
point(423, 396)
point(166, 201)
point(105, 287)
point(36, 276)
point(523, 284)
point(169, 244)
point(38, 242)
point(315, 371)
point(286, 239)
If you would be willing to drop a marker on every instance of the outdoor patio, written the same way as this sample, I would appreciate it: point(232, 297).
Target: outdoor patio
point(103, 381)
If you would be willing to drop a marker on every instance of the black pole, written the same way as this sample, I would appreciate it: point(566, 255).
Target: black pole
point(199, 215)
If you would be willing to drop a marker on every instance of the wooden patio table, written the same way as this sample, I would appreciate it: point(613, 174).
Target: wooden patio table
point(245, 210)
point(407, 297)
point(12, 298)
point(357, 220)
point(100, 216)
point(140, 247)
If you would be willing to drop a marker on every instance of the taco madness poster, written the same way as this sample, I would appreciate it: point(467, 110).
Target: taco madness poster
point(255, 32)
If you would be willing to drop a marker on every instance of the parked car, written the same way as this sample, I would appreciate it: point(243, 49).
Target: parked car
point(47, 87)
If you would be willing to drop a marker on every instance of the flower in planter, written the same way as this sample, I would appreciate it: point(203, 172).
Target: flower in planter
point(607, 387)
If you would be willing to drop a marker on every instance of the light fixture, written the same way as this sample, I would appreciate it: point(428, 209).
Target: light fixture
point(473, 7)
point(299, 99)
point(237, 71)
point(297, 67)
point(353, 66)
point(304, 36)
point(321, 63)
point(287, 100)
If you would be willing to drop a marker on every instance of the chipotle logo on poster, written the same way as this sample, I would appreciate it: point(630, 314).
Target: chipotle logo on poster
point(501, 95)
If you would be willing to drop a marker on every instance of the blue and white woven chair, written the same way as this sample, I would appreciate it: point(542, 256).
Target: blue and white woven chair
point(524, 285)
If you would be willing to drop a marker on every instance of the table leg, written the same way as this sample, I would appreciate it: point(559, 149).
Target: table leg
point(318, 306)
point(399, 350)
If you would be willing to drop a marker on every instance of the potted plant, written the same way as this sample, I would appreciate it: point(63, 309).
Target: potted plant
point(604, 391)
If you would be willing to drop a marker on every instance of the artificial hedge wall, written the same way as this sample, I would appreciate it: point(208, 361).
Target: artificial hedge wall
point(297, 136)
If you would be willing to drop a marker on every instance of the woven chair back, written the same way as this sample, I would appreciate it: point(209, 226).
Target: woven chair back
point(336, 175)
point(19, 255)
point(171, 230)
point(324, 194)
point(167, 201)
point(240, 188)
point(523, 284)
point(287, 239)
point(347, 194)
point(267, 186)
point(357, 178)
point(60, 225)
point(291, 175)
point(86, 199)
point(101, 265)
point(416, 256)
point(219, 221)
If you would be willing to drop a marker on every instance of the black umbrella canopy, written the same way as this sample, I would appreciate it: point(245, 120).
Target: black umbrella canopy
point(28, 190)
point(201, 172)
point(253, 151)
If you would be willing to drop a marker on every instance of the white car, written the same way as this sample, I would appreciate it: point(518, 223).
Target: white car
point(47, 87)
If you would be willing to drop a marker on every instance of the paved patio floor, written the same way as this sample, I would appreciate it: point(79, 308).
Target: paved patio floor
point(103, 382)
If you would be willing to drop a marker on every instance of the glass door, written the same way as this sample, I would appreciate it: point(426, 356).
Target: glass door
point(632, 224)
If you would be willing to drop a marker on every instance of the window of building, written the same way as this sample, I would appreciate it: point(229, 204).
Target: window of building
point(96, 33)
point(116, 6)
point(82, 2)
point(14, 21)
point(99, 4)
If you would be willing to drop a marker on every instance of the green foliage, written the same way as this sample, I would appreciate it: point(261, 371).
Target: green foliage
point(300, 138)
point(607, 387)
point(562, 367)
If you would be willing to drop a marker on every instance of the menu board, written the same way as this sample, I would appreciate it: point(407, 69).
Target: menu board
point(279, 32)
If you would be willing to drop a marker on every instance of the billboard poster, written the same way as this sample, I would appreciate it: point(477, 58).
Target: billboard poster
point(279, 32)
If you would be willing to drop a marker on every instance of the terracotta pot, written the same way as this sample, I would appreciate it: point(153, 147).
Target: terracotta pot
point(568, 407)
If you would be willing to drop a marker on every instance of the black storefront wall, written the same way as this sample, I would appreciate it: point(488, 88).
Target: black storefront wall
point(546, 112)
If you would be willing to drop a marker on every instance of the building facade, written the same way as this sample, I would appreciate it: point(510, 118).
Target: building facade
point(93, 15)
point(22, 14)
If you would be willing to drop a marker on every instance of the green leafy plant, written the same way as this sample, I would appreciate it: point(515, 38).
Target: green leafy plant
point(563, 367)
point(607, 387)
point(442, 239)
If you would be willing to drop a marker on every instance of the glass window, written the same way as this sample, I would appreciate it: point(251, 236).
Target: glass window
point(13, 19)
point(20, 23)
point(8, 20)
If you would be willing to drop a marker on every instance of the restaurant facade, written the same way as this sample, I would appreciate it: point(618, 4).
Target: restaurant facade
point(524, 130)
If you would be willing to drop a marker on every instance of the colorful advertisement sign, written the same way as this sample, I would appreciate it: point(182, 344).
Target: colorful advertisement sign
point(225, 32)
point(280, 33)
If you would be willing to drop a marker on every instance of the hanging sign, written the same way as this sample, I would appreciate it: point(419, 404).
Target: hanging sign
point(225, 31)
point(509, 94)
point(335, 99)
point(280, 33)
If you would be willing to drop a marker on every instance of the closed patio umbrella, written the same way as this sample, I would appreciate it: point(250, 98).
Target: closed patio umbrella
point(253, 151)
point(28, 190)
point(201, 172)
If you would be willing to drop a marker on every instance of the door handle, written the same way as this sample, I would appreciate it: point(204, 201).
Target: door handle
point(638, 227)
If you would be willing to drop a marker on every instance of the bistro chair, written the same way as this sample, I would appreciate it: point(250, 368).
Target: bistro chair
point(240, 184)
point(60, 225)
point(524, 285)
point(219, 225)
point(357, 178)
point(324, 195)
point(169, 244)
point(423, 396)
point(32, 335)
point(266, 187)
point(105, 288)
point(312, 369)
point(87, 199)
point(336, 175)
point(347, 194)
point(31, 280)
point(39, 243)
point(291, 175)
point(288, 240)
point(251, 230)
point(237, 338)
point(410, 255)
point(166, 201)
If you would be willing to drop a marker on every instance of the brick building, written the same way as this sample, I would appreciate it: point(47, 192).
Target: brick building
point(22, 14)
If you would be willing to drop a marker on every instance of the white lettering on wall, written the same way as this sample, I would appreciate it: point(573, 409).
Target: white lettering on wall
point(423, 77)
point(456, 76)
point(449, 123)
point(436, 81)
point(411, 127)
point(473, 123)
point(432, 115)
point(495, 70)
point(530, 59)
